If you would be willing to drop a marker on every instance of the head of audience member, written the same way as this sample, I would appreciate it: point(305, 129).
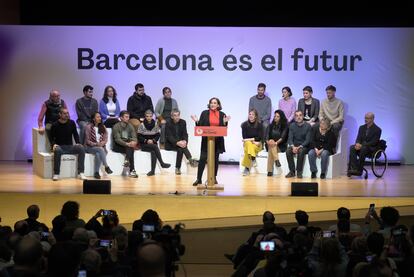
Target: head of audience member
point(21, 227)
point(151, 259)
point(54, 96)
point(70, 210)
point(149, 115)
point(124, 116)
point(91, 261)
point(268, 219)
point(175, 115)
point(329, 254)
point(111, 220)
point(151, 217)
point(411, 234)
point(33, 212)
point(307, 92)
point(375, 243)
point(13, 240)
point(302, 218)
point(88, 91)
point(253, 117)
point(369, 119)
point(261, 89)
point(359, 245)
point(81, 236)
point(299, 117)
point(389, 216)
point(324, 125)
point(167, 92)
point(214, 104)
point(286, 93)
point(120, 234)
point(343, 213)
point(63, 115)
point(5, 233)
point(28, 255)
point(400, 245)
point(343, 226)
point(330, 92)
point(139, 89)
point(64, 259)
point(279, 117)
point(109, 92)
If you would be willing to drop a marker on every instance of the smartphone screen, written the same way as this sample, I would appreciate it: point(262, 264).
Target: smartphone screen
point(82, 273)
point(105, 243)
point(148, 228)
point(267, 245)
point(327, 234)
point(106, 212)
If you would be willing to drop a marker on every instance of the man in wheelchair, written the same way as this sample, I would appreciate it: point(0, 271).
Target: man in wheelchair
point(366, 144)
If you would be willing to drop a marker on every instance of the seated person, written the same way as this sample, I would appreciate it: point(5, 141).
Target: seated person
point(163, 110)
point(62, 134)
point(177, 138)
point(96, 138)
point(148, 135)
point(252, 131)
point(298, 144)
point(332, 109)
point(276, 137)
point(125, 141)
point(287, 104)
point(50, 112)
point(109, 107)
point(86, 106)
point(345, 214)
point(302, 218)
point(309, 106)
point(365, 145)
point(322, 145)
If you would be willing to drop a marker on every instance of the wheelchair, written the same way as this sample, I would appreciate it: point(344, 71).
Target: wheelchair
point(379, 161)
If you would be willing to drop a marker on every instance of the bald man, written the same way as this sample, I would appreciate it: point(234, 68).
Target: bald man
point(151, 260)
point(50, 112)
point(366, 142)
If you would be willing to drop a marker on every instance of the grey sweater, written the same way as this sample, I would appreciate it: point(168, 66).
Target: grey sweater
point(332, 110)
point(299, 135)
point(263, 107)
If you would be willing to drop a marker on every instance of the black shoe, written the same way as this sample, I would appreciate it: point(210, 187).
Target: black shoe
point(300, 175)
point(108, 170)
point(323, 175)
point(313, 176)
point(269, 174)
point(165, 165)
point(277, 163)
point(177, 171)
point(290, 175)
point(96, 175)
point(197, 182)
point(151, 173)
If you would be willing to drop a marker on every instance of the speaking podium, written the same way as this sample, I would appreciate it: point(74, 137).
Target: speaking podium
point(211, 132)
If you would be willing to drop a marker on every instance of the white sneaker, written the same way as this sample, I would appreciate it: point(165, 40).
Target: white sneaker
point(254, 163)
point(55, 177)
point(133, 174)
point(82, 176)
point(246, 171)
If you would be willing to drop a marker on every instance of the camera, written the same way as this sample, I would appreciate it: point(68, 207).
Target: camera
point(82, 273)
point(106, 212)
point(399, 232)
point(327, 234)
point(267, 245)
point(369, 258)
point(105, 243)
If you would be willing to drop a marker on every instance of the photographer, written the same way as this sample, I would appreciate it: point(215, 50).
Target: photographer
point(387, 220)
point(109, 221)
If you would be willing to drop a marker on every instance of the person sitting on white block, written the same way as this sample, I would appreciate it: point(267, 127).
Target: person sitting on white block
point(61, 134)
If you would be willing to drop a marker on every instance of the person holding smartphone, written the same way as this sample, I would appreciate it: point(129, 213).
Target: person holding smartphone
point(109, 221)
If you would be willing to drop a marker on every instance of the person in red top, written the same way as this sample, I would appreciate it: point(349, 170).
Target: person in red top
point(211, 117)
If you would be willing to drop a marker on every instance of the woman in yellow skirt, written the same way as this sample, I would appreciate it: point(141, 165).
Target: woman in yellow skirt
point(252, 133)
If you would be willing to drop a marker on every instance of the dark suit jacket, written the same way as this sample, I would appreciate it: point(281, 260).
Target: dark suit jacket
point(371, 140)
point(172, 135)
point(205, 121)
point(314, 112)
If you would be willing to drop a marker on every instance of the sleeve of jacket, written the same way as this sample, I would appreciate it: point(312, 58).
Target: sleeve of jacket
point(317, 107)
point(75, 132)
point(104, 139)
point(87, 139)
point(157, 110)
point(260, 136)
point(117, 108)
point(185, 133)
point(131, 107)
point(103, 110)
point(360, 136)
point(375, 138)
point(170, 134)
point(116, 134)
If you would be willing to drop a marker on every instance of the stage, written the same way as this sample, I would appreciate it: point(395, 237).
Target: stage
point(240, 203)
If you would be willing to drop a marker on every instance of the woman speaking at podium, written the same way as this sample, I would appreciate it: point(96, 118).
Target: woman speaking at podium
point(211, 117)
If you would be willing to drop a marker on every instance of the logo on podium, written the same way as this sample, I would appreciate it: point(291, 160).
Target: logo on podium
point(210, 131)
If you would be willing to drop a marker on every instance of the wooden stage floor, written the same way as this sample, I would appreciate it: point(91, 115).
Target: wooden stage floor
point(177, 200)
